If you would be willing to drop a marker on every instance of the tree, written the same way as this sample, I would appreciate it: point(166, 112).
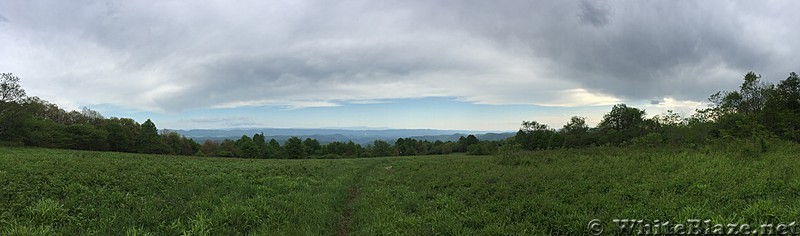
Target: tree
point(670, 118)
point(259, 139)
point(173, 141)
point(381, 148)
point(781, 114)
point(45, 133)
point(86, 137)
point(533, 126)
point(274, 149)
point(12, 115)
point(148, 140)
point(789, 92)
point(189, 147)
point(412, 147)
point(537, 136)
point(121, 134)
point(753, 94)
point(10, 89)
point(352, 149)
point(209, 148)
point(482, 148)
point(261, 143)
point(245, 147)
point(312, 146)
point(92, 116)
point(622, 124)
point(13, 122)
point(575, 133)
point(294, 148)
point(465, 142)
point(621, 117)
point(577, 124)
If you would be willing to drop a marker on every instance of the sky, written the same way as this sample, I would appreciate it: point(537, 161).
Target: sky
point(465, 65)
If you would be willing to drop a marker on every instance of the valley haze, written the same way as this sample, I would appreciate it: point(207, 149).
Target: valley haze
point(361, 136)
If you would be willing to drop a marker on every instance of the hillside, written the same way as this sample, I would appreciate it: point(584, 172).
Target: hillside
point(62, 192)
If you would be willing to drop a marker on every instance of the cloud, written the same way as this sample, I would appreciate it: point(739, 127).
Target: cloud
point(593, 13)
point(172, 56)
point(226, 121)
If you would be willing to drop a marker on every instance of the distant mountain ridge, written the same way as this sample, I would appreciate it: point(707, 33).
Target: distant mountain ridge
point(324, 136)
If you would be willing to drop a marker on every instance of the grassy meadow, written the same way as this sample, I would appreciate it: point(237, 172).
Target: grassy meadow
point(62, 192)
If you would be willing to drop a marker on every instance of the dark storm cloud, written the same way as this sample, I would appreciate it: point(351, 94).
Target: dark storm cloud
point(172, 55)
point(648, 49)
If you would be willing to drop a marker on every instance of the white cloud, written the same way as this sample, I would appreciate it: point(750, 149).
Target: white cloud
point(684, 108)
point(582, 97)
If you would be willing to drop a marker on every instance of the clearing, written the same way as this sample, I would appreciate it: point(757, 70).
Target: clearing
point(65, 192)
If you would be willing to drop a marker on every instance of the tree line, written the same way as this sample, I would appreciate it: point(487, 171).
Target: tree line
point(296, 148)
point(31, 121)
point(757, 111)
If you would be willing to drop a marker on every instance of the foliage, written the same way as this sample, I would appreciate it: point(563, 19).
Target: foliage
point(10, 89)
point(246, 147)
point(758, 110)
point(465, 142)
point(381, 148)
point(64, 192)
point(556, 192)
point(536, 136)
point(312, 147)
point(482, 148)
point(61, 192)
point(294, 148)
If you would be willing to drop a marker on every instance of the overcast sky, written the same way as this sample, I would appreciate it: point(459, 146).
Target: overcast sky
point(477, 65)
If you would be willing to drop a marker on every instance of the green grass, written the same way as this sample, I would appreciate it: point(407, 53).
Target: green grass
point(550, 192)
point(74, 192)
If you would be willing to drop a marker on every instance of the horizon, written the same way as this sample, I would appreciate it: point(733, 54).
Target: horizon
point(447, 111)
point(403, 65)
point(340, 128)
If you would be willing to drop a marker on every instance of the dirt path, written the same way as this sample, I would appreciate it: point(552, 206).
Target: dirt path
point(352, 197)
point(344, 223)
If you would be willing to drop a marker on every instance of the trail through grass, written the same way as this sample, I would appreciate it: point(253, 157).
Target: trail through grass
point(354, 194)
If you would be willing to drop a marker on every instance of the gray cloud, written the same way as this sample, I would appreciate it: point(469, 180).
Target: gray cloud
point(172, 56)
point(594, 13)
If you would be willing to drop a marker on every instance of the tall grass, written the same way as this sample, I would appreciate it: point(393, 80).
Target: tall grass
point(74, 192)
point(47, 192)
point(559, 191)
